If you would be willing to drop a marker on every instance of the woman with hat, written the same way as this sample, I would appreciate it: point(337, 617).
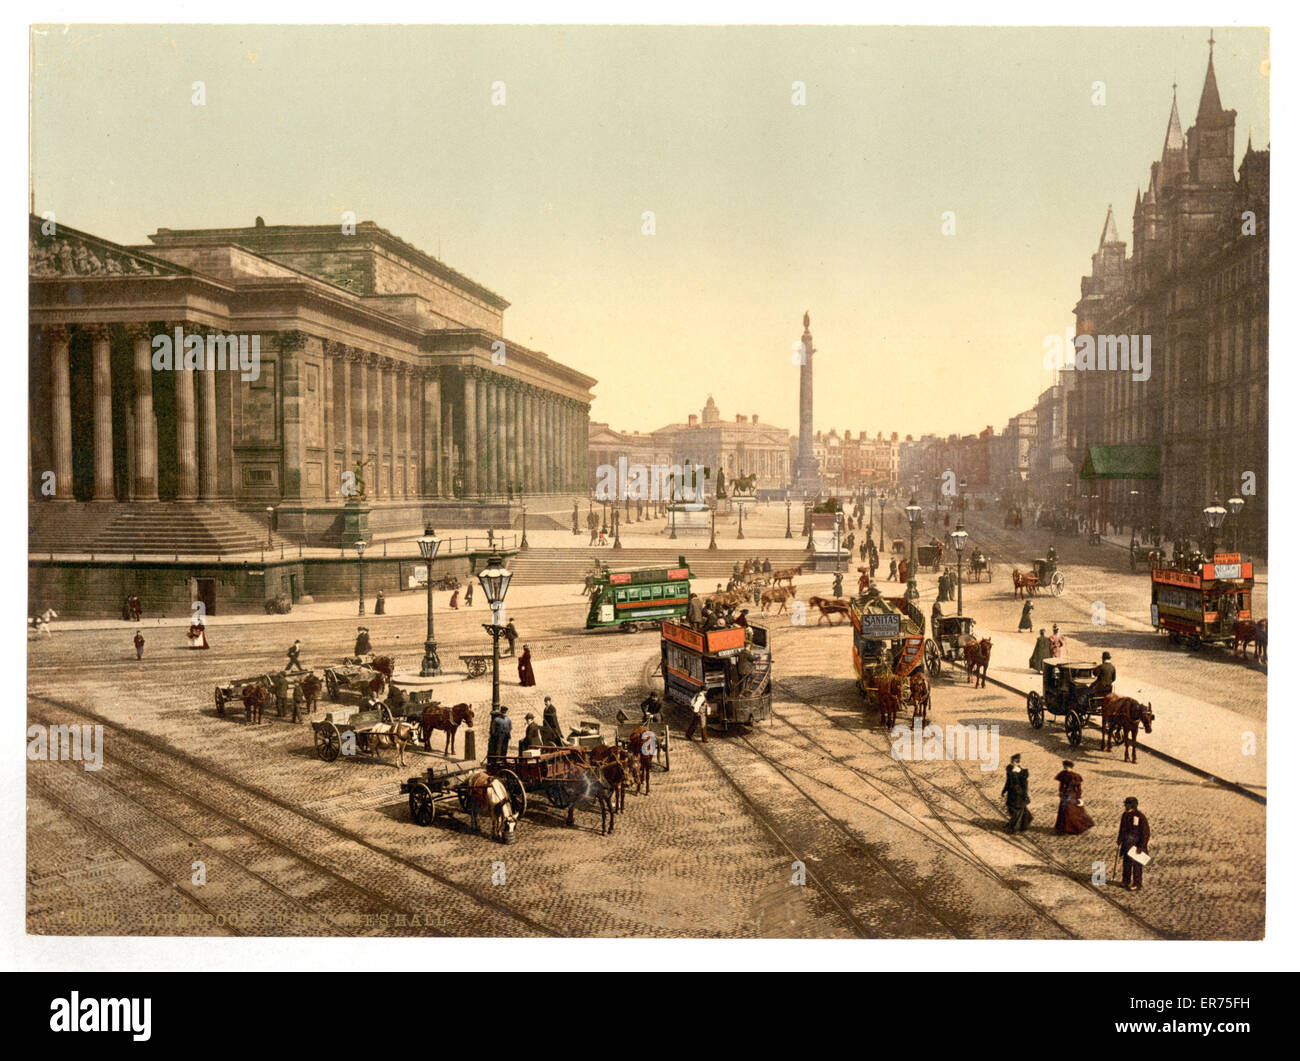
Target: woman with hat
point(1071, 818)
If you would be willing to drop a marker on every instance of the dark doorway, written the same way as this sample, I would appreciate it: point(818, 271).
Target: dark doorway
point(293, 588)
point(205, 590)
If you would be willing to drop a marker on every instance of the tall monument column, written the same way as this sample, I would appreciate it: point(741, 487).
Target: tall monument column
point(807, 474)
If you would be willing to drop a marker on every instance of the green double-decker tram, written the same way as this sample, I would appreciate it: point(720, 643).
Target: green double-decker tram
point(642, 596)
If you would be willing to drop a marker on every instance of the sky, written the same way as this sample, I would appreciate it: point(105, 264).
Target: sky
point(762, 208)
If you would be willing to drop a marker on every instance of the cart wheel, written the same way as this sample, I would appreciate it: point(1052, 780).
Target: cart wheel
point(385, 712)
point(421, 801)
point(221, 701)
point(515, 789)
point(1073, 728)
point(1037, 711)
point(1058, 584)
point(329, 741)
point(932, 660)
point(556, 794)
point(477, 668)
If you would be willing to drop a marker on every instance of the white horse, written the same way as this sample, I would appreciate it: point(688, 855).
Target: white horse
point(39, 625)
point(489, 793)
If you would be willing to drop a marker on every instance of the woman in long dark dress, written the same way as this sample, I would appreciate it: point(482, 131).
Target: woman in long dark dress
point(526, 668)
point(1071, 818)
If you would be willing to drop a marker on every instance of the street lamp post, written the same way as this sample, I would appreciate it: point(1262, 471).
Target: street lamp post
point(787, 519)
point(1214, 514)
point(270, 515)
point(361, 575)
point(913, 511)
point(740, 521)
point(523, 516)
point(495, 580)
point(713, 525)
point(959, 537)
point(617, 544)
point(672, 509)
point(882, 521)
point(1235, 505)
point(429, 545)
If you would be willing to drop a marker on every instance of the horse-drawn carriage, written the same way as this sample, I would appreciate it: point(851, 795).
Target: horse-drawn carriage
point(949, 636)
point(889, 655)
point(356, 676)
point(1066, 693)
point(234, 690)
point(1142, 558)
point(929, 556)
point(1048, 576)
point(979, 566)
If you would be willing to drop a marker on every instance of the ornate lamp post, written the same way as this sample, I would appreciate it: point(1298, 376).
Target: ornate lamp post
point(429, 545)
point(882, 521)
point(523, 515)
point(913, 511)
point(740, 521)
point(617, 544)
point(1235, 505)
point(604, 516)
point(713, 525)
point(787, 519)
point(1133, 504)
point(672, 508)
point(959, 537)
point(495, 580)
point(361, 575)
point(1214, 514)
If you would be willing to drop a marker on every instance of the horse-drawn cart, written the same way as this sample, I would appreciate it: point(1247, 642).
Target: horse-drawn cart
point(928, 556)
point(357, 676)
point(234, 690)
point(1048, 576)
point(348, 731)
point(1066, 693)
point(950, 634)
point(980, 567)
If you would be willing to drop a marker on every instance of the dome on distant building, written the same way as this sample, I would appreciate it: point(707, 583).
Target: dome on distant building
point(710, 413)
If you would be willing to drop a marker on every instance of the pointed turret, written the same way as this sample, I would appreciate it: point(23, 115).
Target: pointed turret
point(1173, 158)
point(1210, 104)
point(1109, 234)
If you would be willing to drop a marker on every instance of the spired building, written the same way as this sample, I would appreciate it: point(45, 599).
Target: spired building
point(1197, 284)
point(360, 353)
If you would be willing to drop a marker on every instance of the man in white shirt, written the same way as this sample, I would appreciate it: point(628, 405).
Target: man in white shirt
point(699, 708)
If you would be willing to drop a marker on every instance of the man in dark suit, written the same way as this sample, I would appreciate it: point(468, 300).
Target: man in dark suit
point(1134, 833)
point(1105, 676)
point(499, 733)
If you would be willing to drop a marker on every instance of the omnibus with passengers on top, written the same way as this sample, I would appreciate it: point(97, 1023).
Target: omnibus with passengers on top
point(1202, 605)
point(640, 596)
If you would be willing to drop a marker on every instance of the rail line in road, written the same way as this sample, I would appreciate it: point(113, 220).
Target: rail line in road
point(913, 780)
point(199, 771)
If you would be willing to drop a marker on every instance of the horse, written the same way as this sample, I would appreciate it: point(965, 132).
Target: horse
point(584, 782)
point(254, 697)
point(1261, 641)
point(920, 688)
point(829, 607)
point(786, 576)
point(977, 655)
point(1123, 713)
point(487, 793)
point(398, 736)
point(448, 720)
point(1244, 631)
point(781, 595)
point(40, 624)
point(616, 766)
point(1023, 585)
point(638, 741)
point(889, 691)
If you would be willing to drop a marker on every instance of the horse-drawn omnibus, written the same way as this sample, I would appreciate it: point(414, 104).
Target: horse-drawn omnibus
point(643, 595)
point(1202, 605)
point(709, 659)
point(889, 655)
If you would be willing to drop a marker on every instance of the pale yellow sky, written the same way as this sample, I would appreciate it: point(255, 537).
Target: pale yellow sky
point(762, 208)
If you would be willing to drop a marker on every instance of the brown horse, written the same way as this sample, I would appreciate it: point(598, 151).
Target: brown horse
point(977, 655)
point(889, 691)
point(638, 741)
point(920, 688)
point(787, 575)
point(1123, 714)
point(254, 697)
point(829, 607)
point(615, 766)
point(585, 782)
point(1245, 631)
point(446, 719)
point(1023, 584)
point(781, 595)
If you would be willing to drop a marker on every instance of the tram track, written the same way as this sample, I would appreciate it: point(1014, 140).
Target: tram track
point(914, 780)
point(180, 759)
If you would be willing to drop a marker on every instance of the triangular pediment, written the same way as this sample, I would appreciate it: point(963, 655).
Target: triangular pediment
point(68, 252)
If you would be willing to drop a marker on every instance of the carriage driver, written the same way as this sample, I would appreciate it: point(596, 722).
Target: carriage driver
point(1105, 677)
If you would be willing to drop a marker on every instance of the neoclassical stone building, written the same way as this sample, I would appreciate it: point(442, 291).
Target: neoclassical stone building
point(370, 351)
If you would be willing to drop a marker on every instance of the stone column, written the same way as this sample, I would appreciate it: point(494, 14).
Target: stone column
point(187, 464)
point(208, 435)
point(502, 453)
point(490, 426)
point(382, 487)
point(431, 423)
point(61, 413)
point(548, 464)
point(348, 360)
point(146, 436)
point(291, 344)
point(538, 483)
point(363, 405)
point(469, 463)
point(327, 417)
point(404, 404)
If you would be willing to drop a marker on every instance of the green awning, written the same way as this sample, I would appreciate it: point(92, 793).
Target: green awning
point(1121, 462)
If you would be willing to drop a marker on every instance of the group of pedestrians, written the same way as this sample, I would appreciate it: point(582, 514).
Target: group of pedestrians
point(1134, 836)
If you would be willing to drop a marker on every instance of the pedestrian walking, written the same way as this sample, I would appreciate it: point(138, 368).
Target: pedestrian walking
point(294, 663)
point(455, 598)
point(699, 717)
point(1042, 649)
point(1071, 818)
point(1026, 620)
point(469, 594)
point(1134, 836)
point(1057, 641)
point(1016, 791)
point(551, 732)
point(893, 569)
point(526, 668)
point(139, 645)
point(511, 635)
point(310, 693)
point(837, 587)
point(362, 645)
point(379, 603)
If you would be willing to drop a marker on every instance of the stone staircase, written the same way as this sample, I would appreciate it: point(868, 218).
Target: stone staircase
point(153, 529)
point(537, 566)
